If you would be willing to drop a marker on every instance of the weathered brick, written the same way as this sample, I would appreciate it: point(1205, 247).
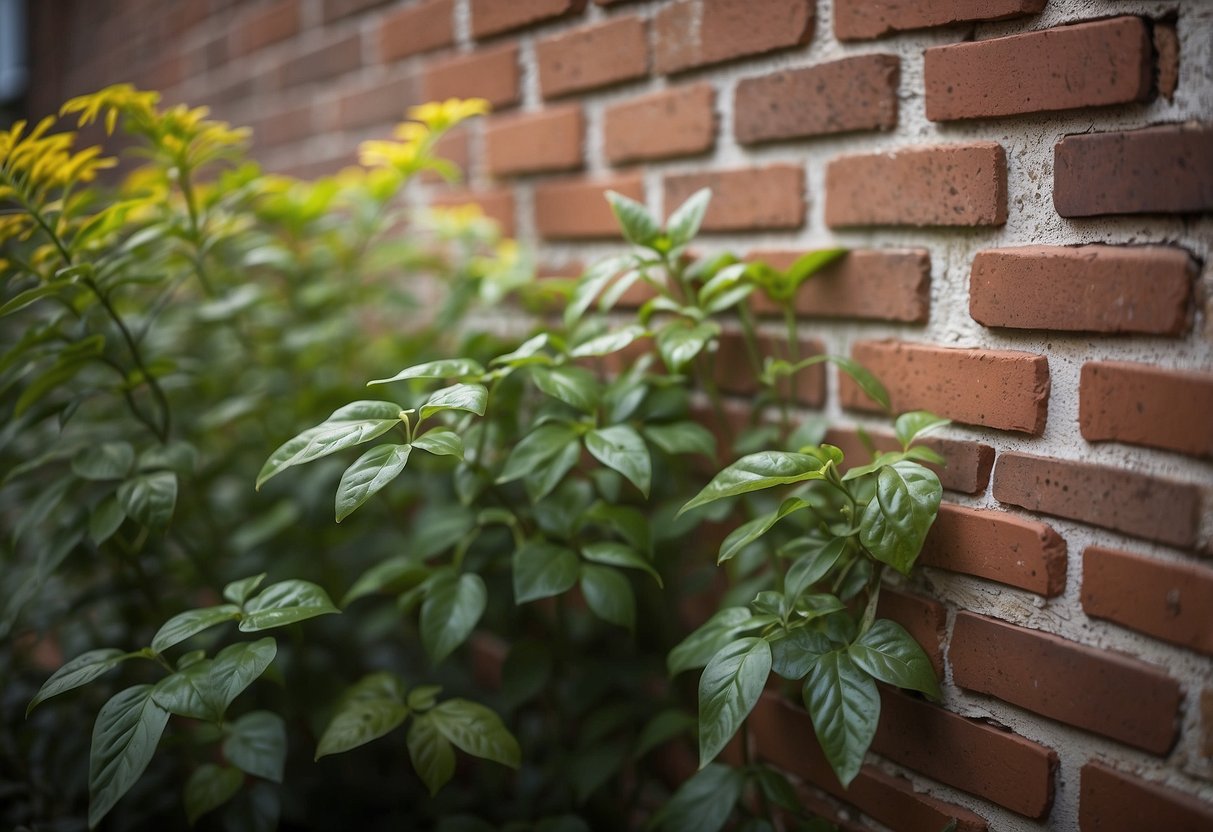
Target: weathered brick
point(592, 57)
point(1170, 601)
point(496, 204)
point(1137, 504)
point(881, 285)
point(324, 63)
point(1110, 801)
point(286, 126)
point(337, 9)
point(416, 29)
point(734, 371)
point(265, 25)
point(381, 103)
point(577, 209)
point(924, 618)
point(676, 122)
point(1090, 688)
point(1166, 169)
point(867, 19)
point(492, 17)
point(964, 185)
point(1095, 288)
point(752, 199)
point(857, 93)
point(491, 74)
point(999, 766)
point(967, 468)
point(701, 32)
point(549, 140)
point(999, 547)
point(1000, 389)
point(1083, 65)
point(1141, 404)
point(1166, 46)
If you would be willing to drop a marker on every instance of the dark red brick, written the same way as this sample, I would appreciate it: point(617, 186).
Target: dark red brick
point(702, 32)
point(999, 547)
point(882, 285)
point(1110, 801)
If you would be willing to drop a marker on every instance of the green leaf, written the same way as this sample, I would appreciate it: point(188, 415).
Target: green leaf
point(704, 802)
point(707, 640)
point(368, 475)
point(460, 368)
point(423, 697)
point(107, 461)
point(810, 263)
point(620, 448)
point(285, 603)
point(540, 482)
point(79, 671)
point(910, 426)
point(682, 438)
point(348, 426)
point(757, 471)
point(844, 705)
point(191, 622)
point(867, 382)
point(536, 448)
point(542, 570)
point(591, 284)
point(125, 736)
point(897, 519)
point(662, 728)
point(208, 788)
point(528, 352)
point(683, 224)
point(613, 553)
point(399, 573)
point(609, 595)
point(476, 730)
point(891, 654)
point(574, 386)
point(188, 692)
point(470, 397)
point(360, 719)
point(608, 343)
point(747, 533)
point(235, 668)
point(635, 221)
point(811, 566)
point(150, 498)
point(431, 753)
point(106, 518)
point(794, 656)
point(23, 299)
point(256, 744)
point(728, 690)
point(239, 591)
point(453, 605)
point(678, 343)
point(440, 441)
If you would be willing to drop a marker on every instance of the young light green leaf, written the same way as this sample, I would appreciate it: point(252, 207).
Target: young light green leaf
point(105, 520)
point(536, 448)
point(910, 426)
point(704, 802)
point(368, 475)
point(440, 441)
point(460, 368)
point(810, 263)
point(683, 224)
point(470, 397)
point(844, 705)
point(476, 730)
point(107, 461)
point(867, 382)
point(609, 595)
point(191, 622)
point(620, 448)
point(542, 570)
point(208, 788)
point(757, 471)
point(697, 649)
point(125, 736)
point(431, 753)
point(423, 697)
point(613, 553)
point(256, 744)
point(679, 343)
point(453, 605)
point(897, 519)
point(682, 438)
point(357, 721)
point(794, 656)
point(150, 498)
point(592, 283)
point(747, 533)
point(575, 386)
point(528, 352)
point(811, 565)
point(637, 223)
point(239, 591)
point(348, 426)
point(79, 671)
point(891, 654)
point(728, 690)
point(608, 343)
point(285, 603)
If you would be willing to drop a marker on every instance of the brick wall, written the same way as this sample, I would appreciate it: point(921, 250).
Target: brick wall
point(1028, 185)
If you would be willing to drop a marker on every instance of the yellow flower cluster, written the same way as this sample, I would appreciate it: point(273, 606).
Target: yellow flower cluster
point(410, 152)
point(114, 100)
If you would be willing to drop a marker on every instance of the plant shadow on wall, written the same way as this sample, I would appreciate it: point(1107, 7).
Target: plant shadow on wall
point(547, 494)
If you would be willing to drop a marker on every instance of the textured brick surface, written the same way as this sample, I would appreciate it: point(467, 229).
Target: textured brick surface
point(492, 17)
point(999, 547)
point(677, 122)
point(497, 205)
point(1110, 801)
point(958, 184)
point(882, 285)
point(325, 62)
point(578, 210)
point(1136, 504)
point(1096, 690)
point(491, 74)
point(1145, 405)
point(995, 388)
point(284, 127)
point(1084, 65)
point(968, 463)
point(866, 19)
point(380, 103)
point(549, 140)
point(416, 29)
point(1095, 288)
point(1156, 169)
point(844, 96)
point(1170, 601)
point(701, 32)
point(265, 25)
point(337, 9)
point(752, 199)
point(592, 56)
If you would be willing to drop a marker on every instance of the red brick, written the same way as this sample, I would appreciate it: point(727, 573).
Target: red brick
point(1112, 497)
point(497, 205)
point(999, 389)
point(1141, 404)
point(284, 127)
point(999, 547)
point(1087, 687)
point(999, 766)
point(491, 74)
point(752, 199)
point(676, 122)
point(323, 64)
point(867, 19)
point(383, 103)
point(1084, 65)
point(967, 468)
point(492, 17)
point(880, 285)
point(1095, 288)
point(1170, 601)
point(265, 25)
point(592, 57)
point(857, 93)
point(784, 736)
point(734, 371)
point(416, 29)
point(337, 9)
point(549, 140)
point(924, 618)
point(577, 209)
point(959, 184)
point(1110, 801)
point(701, 32)
point(1166, 169)
point(1166, 46)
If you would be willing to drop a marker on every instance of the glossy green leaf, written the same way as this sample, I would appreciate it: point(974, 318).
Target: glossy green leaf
point(867, 382)
point(810, 263)
point(208, 788)
point(704, 802)
point(431, 753)
point(368, 475)
point(150, 498)
point(609, 595)
point(748, 532)
point(844, 705)
point(592, 283)
point(358, 720)
point(348, 426)
point(239, 591)
point(811, 565)
point(236, 667)
point(397, 574)
point(476, 730)
point(105, 520)
point(678, 343)
point(620, 448)
point(697, 649)
point(470, 397)
point(107, 461)
point(683, 224)
point(536, 448)
point(285, 603)
point(635, 221)
point(793, 657)
point(461, 368)
point(542, 570)
point(79, 671)
point(452, 607)
point(909, 426)
point(682, 438)
point(125, 736)
point(728, 690)
point(891, 654)
point(574, 386)
point(440, 441)
point(189, 693)
point(608, 343)
point(544, 479)
point(256, 744)
point(423, 697)
point(613, 553)
point(895, 522)
point(758, 471)
point(191, 622)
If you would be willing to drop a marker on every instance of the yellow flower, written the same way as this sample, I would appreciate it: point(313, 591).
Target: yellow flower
point(119, 98)
point(401, 156)
point(440, 115)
